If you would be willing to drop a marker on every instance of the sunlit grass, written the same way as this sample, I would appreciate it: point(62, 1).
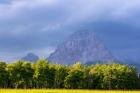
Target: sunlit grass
point(61, 91)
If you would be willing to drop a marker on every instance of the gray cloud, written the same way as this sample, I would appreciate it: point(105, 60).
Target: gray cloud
point(39, 25)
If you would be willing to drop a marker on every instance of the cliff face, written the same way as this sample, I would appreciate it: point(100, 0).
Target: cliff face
point(81, 46)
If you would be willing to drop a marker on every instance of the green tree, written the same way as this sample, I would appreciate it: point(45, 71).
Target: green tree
point(96, 76)
point(51, 76)
point(41, 75)
point(75, 77)
point(113, 76)
point(60, 75)
point(27, 74)
point(20, 74)
point(3, 75)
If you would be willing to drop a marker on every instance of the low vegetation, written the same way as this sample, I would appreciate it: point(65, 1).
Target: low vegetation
point(62, 91)
point(44, 75)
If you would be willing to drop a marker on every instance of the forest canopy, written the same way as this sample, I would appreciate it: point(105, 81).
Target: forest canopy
point(44, 74)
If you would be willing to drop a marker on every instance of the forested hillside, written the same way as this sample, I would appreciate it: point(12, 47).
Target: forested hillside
point(43, 74)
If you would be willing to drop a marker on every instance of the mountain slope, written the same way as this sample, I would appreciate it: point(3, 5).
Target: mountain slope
point(30, 57)
point(81, 46)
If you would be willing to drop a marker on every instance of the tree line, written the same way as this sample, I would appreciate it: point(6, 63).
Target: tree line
point(44, 74)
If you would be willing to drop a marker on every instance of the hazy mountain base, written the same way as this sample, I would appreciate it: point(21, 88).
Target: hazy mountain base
point(30, 57)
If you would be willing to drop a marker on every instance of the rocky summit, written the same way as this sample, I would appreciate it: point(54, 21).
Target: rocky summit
point(81, 46)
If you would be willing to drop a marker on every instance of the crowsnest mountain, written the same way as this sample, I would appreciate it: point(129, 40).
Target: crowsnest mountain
point(81, 46)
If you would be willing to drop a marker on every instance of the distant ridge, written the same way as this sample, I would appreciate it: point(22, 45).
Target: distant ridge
point(30, 57)
point(81, 46)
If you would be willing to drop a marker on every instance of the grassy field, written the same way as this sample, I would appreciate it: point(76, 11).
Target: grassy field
point(63, 91)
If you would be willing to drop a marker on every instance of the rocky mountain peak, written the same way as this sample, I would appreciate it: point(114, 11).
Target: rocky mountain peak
point(81, 46)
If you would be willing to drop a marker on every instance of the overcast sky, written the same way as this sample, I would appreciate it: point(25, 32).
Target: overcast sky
point(38, 26)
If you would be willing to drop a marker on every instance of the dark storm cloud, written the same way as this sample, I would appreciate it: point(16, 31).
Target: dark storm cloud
point(39, 25)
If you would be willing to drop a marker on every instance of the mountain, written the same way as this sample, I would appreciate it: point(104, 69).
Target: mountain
point(30, 57)
point(81, 46)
